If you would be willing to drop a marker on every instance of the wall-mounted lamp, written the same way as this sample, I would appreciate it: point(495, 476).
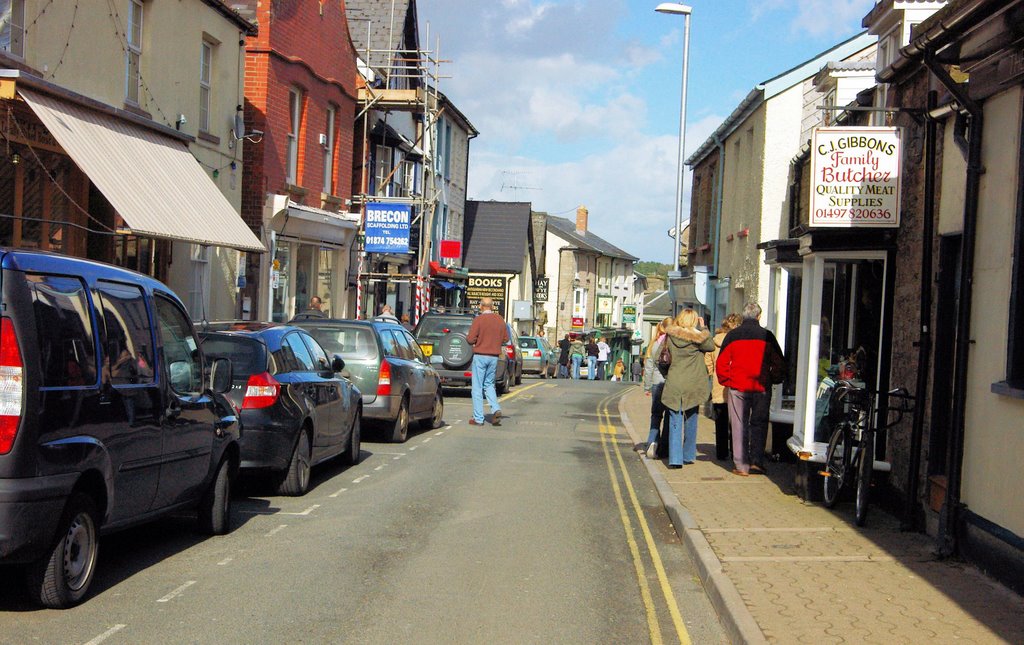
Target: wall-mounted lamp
point(15, 159)
point(180, 122)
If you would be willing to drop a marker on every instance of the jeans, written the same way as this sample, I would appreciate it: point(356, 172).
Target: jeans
point(563, 370)
point(576, 360)
point(659, 420)
point(600, 369)
point(484, 368)
point(682, 436)
point(591, 367)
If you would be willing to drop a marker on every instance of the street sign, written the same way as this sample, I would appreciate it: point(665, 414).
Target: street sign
point(629, 314)
point(540, 290)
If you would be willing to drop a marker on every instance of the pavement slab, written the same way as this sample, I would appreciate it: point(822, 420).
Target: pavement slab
point(782, 570)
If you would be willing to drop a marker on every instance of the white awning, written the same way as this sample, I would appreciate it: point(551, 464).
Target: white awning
point(152, 180)
point(314, 224)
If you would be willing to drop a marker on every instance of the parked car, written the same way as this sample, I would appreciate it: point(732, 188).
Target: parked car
point(296, 410)
point(442, 337)
point(538, 357)
point(107, 417)
point(397, 382)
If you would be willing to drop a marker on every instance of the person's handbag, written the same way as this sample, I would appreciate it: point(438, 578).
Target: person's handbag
point(664, 358)
point(709, 410)
point(777, 368)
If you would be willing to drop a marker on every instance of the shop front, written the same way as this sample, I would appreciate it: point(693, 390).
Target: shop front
point(831, 290)
point(309, 257)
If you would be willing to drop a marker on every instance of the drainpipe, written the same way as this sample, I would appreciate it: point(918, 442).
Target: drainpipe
point(924, 343)
point(716, 220)
point(949, 517)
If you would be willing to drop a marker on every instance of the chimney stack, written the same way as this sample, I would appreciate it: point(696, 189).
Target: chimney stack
point(581, 220)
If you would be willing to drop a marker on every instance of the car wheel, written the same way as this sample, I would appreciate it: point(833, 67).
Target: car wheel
point(519, 376)
point(355, 439)
point(296, 478)
point(502, 387)
point(436, 419)
point(61, 578)
point(215, 508)
point(400, 429)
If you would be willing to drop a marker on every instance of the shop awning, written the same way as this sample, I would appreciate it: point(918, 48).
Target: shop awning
point(446, 284)
point(315, 224)
point(152, 180)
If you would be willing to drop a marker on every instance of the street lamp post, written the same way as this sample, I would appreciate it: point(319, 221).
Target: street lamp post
point(685, 11)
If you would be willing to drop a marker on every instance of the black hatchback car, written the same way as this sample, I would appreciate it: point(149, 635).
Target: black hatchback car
point(442, 338)
point(397, 382)
point(108, 416)
point(296, 410)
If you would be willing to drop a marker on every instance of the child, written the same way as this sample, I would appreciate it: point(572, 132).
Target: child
point(619, 370)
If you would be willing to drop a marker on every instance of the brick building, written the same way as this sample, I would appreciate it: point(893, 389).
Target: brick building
point(300, 106)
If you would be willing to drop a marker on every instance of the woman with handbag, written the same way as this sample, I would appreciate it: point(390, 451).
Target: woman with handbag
point(723, 438)
point(654, 382)
point(686, 385)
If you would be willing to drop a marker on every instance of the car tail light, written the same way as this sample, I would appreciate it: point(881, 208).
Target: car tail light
point(261, 391)
point(12, 387)
point(510, 351)
point(384, 379)
point(536, 353)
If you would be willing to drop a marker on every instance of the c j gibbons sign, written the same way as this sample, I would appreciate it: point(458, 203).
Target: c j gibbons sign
point(855, 177)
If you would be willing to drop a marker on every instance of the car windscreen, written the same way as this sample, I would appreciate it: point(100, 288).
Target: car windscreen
point(352, 342)
point(528, 343)
point(247, 356)
point(434, 328)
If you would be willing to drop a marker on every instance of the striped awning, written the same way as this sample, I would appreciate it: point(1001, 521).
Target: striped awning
point(152, 180)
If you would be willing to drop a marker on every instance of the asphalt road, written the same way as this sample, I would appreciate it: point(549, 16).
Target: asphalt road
point(544, 530)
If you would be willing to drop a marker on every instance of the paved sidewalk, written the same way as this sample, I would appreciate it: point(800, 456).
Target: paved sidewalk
point(784, 571)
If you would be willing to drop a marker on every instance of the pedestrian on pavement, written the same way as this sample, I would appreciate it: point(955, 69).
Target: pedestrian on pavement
point(618, 370)
point(387, 315)
point(636, 370)
point(592, 352)
point(603, 350)
point(488, 334)
point(315, 309)
point(723, 438)
point(749, 363)
point(576, 354)
point(686, 384)
point(654, 383)
point(563, 357)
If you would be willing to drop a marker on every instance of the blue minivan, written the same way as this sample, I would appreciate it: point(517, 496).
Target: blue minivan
point(109, 416)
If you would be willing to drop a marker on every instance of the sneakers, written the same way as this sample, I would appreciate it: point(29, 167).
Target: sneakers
point(496, 418)
point(652, 450)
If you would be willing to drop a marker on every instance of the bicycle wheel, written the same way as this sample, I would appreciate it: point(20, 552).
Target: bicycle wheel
point(837, 463)
point(865, 468)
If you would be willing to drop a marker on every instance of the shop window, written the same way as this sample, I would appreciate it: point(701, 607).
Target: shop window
point(12, 26)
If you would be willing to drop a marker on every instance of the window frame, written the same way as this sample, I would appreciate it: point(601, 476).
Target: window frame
point(196, 354)
point(290, 339)
point(205, 84)
point(332, 116)
point(133, 52)
point(16, 30)
point(295, 100)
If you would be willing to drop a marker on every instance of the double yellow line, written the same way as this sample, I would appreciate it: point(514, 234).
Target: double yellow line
point(611, 446)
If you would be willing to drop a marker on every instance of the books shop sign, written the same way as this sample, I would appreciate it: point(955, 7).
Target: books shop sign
point(855, 177)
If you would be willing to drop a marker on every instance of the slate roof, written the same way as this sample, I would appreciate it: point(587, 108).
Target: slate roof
point(657, 303)
point(387, 30)
point(496, 236)
point(588, 241)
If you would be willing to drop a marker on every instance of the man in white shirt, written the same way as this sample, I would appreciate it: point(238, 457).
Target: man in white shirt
point(603, 350)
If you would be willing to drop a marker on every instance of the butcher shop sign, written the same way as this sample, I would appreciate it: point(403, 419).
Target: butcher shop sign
point(855, 177)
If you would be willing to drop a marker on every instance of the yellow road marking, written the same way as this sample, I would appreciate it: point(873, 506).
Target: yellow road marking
point(510, 395)
point(608, 429)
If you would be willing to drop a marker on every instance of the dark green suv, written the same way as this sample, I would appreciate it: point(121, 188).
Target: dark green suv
point(442, 337)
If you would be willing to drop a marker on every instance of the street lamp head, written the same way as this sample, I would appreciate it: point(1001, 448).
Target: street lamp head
point(674, 7)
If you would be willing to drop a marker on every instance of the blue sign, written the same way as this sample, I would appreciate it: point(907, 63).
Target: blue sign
point(387, 227)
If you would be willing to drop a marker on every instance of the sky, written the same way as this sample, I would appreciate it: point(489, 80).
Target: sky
point(577, 101)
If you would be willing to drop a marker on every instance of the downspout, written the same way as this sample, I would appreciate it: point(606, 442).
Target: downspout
point(924, 343)
point(949, 517)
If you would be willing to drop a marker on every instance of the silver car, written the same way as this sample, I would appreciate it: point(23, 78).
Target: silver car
point(537, 356)
point(384, 361)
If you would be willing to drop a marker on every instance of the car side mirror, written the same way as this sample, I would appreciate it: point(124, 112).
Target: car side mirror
point(221, 375)
point(337, 363)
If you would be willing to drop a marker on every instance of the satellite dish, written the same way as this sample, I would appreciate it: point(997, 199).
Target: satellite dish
point(238, 131)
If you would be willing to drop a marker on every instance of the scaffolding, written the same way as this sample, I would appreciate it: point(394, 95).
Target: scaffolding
point(403, 81)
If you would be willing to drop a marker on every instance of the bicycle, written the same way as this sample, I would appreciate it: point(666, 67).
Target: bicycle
point(851, 447)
